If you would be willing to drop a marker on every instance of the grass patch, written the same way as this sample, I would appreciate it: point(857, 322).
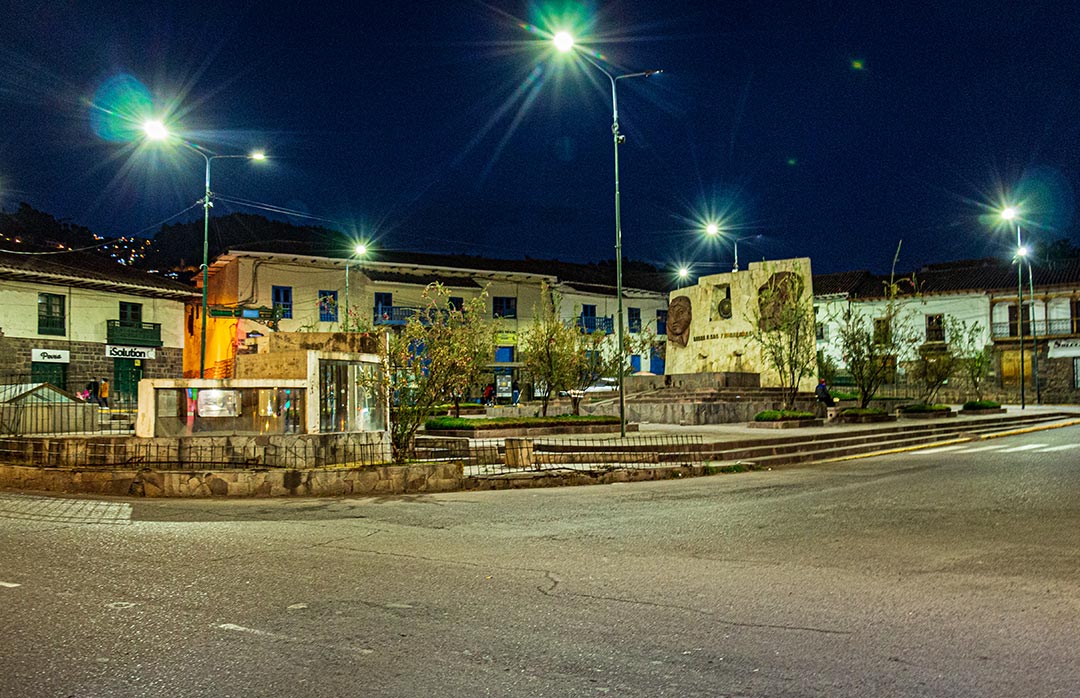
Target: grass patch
point(436, 423)
point(919, 408)
point(781, 415)
point(981, 405)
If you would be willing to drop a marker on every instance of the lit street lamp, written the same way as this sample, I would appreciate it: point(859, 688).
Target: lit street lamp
point(156, 130)
point(1022, 253)
point(713, 229)
point(1008, 215)
point(358, 254)
point(564, 43)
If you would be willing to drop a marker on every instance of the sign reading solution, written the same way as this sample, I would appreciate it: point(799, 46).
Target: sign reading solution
point(117, 352)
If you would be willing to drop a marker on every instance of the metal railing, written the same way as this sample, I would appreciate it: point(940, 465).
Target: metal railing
point(485, 457)
point(140, 334)
point(1043, 328)
point(31, 406)
point(591, 324)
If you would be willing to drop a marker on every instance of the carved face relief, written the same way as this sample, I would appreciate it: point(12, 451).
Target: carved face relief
point(680, 315)
point(781, 290)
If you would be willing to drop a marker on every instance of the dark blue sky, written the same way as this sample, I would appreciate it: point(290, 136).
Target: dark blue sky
point(833, 129)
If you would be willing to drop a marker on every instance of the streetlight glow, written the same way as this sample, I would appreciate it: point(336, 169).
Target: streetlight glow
point(683, 272)
point(258, 155)
point(1022, 251)
point(712, 229)
point(1008, 213)
point(361, 250)
point(563, 42)
point(155, 130)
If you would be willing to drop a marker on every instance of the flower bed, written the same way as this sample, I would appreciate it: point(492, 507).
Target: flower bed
point(859, 415)
point(785, 419)
point(977, 407)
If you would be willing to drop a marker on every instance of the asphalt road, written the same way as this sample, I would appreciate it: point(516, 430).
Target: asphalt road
point(933, 573)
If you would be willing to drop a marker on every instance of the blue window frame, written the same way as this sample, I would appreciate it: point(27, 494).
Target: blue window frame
point(504, 355)
point(661, 322)
point(504, 307)
point(634, 319)
point(635, 363)
point(281, 296)
point(328, 308)
point(383, 300)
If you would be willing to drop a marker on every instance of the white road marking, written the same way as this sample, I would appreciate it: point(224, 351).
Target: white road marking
point(942, 449)
point(980, 449)
point(1026, 447)
point(276, 636)
point(1065, 447)
point(9, 585)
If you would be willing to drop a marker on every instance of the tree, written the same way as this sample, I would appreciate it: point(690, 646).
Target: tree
point(973, 355)
point(548, 349)
point(437, 356)
point(932, 369)
point(783, 326)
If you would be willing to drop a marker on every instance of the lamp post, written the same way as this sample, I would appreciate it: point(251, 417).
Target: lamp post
point(156, 130)
point(1022, 252)
point(1008, 214)
point(713, 229)
point(564, 42)
point(358, 253)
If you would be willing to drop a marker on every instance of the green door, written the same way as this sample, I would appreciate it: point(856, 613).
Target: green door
point(125, 386)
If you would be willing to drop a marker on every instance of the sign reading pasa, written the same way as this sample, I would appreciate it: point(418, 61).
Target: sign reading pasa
point(115, 352)
point(51, 356)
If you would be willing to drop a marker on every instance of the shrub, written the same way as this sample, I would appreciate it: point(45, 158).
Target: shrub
point(862, 411)
point(923, 407)
point(841, 395)
point(981, 405)
point(781, 415)
point(505, 422)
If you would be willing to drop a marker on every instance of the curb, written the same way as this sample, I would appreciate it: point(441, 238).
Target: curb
point(1030, 430)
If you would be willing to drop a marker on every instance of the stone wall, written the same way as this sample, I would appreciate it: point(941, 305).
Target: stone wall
point(380, 480)
point(87, 359)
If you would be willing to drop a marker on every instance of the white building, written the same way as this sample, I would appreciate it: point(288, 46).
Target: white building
point(72, 317)
point(976, 291)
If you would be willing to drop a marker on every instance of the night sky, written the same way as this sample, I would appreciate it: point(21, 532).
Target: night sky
point(829, 129)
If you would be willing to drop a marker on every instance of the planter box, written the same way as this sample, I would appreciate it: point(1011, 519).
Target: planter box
point(787, 424)
point(864, 418)
point(982, 410)
point(531, 431)
point(933, 414)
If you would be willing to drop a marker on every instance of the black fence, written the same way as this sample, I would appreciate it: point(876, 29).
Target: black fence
point(53, 401)
point(135, 454)
point(517, 455)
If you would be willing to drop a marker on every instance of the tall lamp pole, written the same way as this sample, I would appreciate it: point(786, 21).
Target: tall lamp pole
point(564, 42)
point(358, 253)
point(1009, 214)
point(156, 130)
point(1022, 252)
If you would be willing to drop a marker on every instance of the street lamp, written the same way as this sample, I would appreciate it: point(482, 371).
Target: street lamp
point(713, 229)
point(1022, 253)
point(564, 43)
point(1008, 214)
point(157, 131)
point(358, 253)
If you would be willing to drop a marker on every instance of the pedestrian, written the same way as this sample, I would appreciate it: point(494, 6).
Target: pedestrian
point(823, 395)
point(103, 393)
point(92, 391)
point(489, 393)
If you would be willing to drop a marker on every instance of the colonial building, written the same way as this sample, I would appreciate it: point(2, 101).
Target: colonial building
point(298, 288)
point(982, 292)
point(69, 318)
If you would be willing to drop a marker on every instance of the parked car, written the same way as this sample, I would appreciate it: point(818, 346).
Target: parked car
point(601, 386)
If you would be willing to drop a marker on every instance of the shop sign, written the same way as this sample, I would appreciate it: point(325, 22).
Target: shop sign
point(1064, 348)
point(506, 339)
point(50, 356)
point(117, 352)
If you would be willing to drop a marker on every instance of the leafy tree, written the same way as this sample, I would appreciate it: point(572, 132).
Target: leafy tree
point(932, 368)
point(973, 355)
point(549, 349)
point(784, 329)
point(435, 358)
point(826, 366)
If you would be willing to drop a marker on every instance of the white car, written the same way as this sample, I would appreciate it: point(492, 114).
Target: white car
point(603, 385)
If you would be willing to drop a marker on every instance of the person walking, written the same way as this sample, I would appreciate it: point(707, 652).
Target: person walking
point(92, 391)
point(103, 392)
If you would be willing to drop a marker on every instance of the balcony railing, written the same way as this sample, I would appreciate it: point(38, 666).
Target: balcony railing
point(1043, 328)
point(139, 334)
point(393, 314)
point(592, 324)
point(51, 325)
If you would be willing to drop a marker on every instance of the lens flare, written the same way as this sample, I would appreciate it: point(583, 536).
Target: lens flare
point(120, 108)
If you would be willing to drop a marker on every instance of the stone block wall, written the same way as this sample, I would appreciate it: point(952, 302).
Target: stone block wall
point(87, 359)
